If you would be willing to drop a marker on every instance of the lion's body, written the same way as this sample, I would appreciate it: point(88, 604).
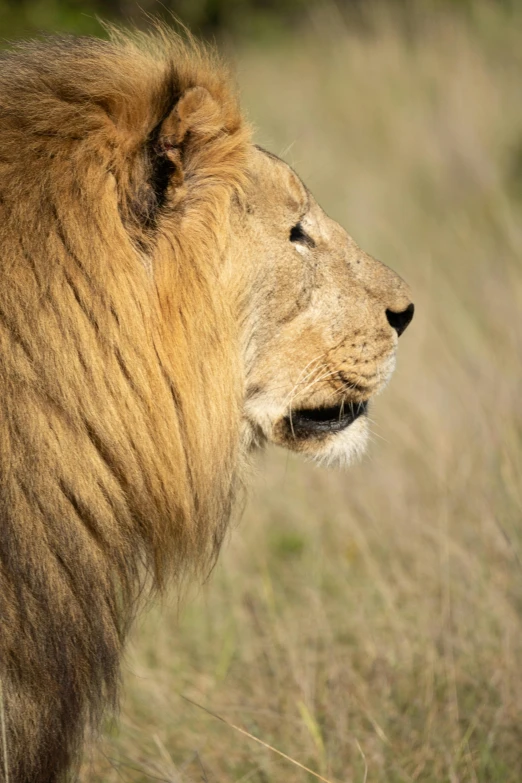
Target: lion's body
point(170, 297)
point(107, 471)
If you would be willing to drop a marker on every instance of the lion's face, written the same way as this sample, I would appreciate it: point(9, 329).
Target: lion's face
point(321, 323)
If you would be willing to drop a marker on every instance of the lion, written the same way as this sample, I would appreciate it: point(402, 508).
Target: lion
point(172, 298)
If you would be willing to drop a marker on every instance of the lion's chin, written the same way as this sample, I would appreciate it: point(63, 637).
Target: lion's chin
point(333, 436)
point(343, 448)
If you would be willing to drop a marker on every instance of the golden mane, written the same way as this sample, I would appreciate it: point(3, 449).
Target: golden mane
point(119, 389)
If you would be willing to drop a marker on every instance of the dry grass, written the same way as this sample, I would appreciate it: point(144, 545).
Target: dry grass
point(368, 623)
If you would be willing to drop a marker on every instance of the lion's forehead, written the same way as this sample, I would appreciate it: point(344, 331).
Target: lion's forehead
point(280, 182)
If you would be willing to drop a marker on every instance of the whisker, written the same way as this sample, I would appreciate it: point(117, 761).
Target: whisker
point(316, 381)
point(300, 379)
point(290, 398)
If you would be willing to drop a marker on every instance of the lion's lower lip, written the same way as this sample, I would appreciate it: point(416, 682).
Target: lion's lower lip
point(306, 423)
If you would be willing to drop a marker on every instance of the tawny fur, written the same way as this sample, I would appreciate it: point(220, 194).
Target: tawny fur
point(117, 467)
point(171, 297)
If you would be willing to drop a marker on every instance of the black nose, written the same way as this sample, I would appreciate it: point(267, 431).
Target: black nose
point(399, 321)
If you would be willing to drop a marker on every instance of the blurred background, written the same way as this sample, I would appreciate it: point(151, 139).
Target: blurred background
point(366, 623)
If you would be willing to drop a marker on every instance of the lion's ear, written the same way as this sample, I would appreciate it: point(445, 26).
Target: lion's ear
point(180, 146)
point(196, 118)
point(194, 121)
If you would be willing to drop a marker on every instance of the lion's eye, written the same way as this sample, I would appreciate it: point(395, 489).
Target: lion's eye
point(297, 234)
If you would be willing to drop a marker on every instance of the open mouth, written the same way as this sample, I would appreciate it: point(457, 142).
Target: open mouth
point(310, 422)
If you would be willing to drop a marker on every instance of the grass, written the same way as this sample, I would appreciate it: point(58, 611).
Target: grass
point(368, 623)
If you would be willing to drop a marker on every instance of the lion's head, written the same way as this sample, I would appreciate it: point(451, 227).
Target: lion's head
point(171, 296)
point(320, 318)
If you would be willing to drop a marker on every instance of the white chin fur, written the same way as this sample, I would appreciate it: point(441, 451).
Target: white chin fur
point(343, 448)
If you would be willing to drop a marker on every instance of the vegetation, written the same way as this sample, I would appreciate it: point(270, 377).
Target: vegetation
point(258, 19)
point(368, 623)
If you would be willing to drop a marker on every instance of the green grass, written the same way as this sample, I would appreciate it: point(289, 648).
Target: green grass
point(368, 623)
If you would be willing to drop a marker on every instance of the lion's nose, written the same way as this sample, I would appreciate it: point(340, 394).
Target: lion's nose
point(399, 321)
